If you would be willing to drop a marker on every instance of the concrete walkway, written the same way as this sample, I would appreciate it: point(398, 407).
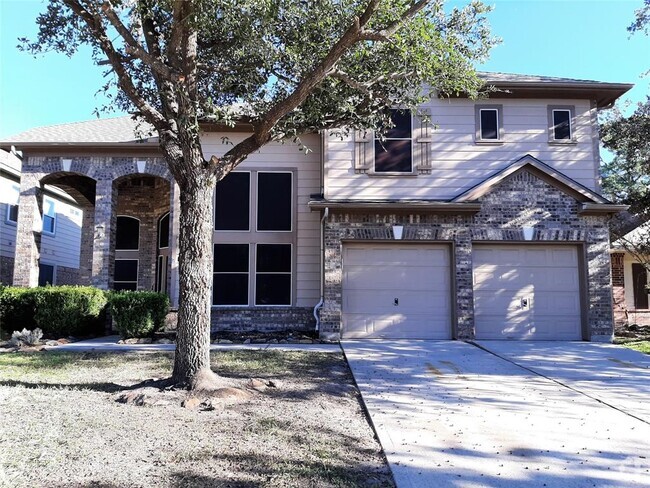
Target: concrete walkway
point(451, 414)
point(109, 344)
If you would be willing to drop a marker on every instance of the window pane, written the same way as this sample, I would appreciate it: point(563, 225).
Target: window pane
point(489, 124)
point(163, 232)
point(127, 233)
point(48, 224)
point(393, 156)
point(561, 124)
point(273, 289)
point(274, 201)
point(12, 214)
point(125, 286)
point(126, 270)
point(402, 128)
point(274, 258)
point(230, 289)
point(232, 202)
point(639, 283)
point(45, 274)
point(230, 258)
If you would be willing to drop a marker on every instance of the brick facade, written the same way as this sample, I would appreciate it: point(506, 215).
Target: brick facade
point(6, 270)
point(522, 200)
point(67, 276)
point(263, 319)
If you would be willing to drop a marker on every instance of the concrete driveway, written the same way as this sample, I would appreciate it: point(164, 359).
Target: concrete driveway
point(452, 414)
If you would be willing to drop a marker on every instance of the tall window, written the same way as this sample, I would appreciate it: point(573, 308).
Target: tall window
point(394, 154)
point(639, 286)
point(489, 123)
point(560, 119)
point(49, 216)
point(254, 233)
point(127, 245)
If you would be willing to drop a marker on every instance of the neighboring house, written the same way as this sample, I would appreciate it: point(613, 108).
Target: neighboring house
point(630, 277)
point(484, 221)
point(57, 225)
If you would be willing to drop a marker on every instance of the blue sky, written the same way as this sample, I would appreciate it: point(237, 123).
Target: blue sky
point(584, 39)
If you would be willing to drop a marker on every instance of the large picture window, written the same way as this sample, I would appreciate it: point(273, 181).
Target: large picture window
point(127, 234)
point(126, 274)
point(394, 154)
point(253, 263)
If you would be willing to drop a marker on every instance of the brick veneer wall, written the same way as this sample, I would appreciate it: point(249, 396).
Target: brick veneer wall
point(263, 319)
point(618, 289)
point(67, 276)
point(522, 200)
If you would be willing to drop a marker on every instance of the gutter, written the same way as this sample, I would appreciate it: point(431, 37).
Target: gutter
point(319, 305)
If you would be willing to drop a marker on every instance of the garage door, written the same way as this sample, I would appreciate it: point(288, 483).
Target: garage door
point(396, 291)
point(527, 292)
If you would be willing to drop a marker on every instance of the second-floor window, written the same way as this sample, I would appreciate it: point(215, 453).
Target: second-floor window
point(561, 124)
point(12, 204)
point(394, 154)
point(489, 123)
point(49, 216)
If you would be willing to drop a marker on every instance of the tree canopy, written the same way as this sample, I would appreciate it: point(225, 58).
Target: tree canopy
point(284, 67)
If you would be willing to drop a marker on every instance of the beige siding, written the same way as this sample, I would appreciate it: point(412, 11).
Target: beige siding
point(458, 163)
point(307, 171)
point(62, 248)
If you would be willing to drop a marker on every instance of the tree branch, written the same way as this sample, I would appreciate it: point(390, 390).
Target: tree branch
point(94, 23)
point(385, 33)
point(134, 47)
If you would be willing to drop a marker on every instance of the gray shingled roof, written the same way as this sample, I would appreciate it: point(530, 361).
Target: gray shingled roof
point(496, 77)
point(111, 130)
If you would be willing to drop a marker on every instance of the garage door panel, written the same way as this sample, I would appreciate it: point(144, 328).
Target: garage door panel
point(527, 292)
point(418, 276)
point(399, 278)
point(395, 326)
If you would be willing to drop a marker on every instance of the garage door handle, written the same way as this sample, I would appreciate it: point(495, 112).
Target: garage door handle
point(396, 302)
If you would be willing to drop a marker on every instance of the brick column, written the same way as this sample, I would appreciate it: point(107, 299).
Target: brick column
point(464, 285)
point(600, 313)
point(104, 234)
point(86, 246)
point(28, 235)
point(618, 289)
point(174, 230)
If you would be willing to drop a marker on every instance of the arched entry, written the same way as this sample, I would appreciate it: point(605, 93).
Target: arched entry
point(127, 250)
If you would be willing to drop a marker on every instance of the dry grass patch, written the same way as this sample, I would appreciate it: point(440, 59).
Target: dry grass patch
point(61, 425)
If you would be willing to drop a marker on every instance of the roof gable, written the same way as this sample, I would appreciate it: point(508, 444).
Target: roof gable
point(542, 170)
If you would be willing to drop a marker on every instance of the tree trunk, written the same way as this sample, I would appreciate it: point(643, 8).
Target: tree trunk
point(192, 358)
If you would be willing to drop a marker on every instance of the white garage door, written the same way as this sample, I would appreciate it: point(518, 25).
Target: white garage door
point(527, 292)
point(396, 291)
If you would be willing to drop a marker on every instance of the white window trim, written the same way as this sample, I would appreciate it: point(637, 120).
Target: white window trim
point(413, 171)
point(137, 271)
point(53, 217)
point(478, 136)
point(139, 225)
point(15, 188)
point(551, 124)
point(290, 273)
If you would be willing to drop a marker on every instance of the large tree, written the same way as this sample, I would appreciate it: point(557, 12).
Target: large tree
point(286, 67)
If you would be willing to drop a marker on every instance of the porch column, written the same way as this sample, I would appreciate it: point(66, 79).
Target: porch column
point(105, 219)
point(86, 246)
point(28, 232)
point(174, 230)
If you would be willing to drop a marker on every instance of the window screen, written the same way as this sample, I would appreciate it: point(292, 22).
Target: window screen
point(232, 202)
point(126, 274)
point(561, 124)
point(489, 124)
point(273, 274)
point(274, 194)
point(45, 274)
point(394, 153)
point(127, 233)
point(230, 279)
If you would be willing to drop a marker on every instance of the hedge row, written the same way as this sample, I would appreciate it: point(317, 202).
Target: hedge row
point(62, 311)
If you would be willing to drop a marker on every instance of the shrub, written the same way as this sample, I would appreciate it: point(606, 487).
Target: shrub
point(29, 337)
point(138, 313)
point(17, 308)
point(70, 310)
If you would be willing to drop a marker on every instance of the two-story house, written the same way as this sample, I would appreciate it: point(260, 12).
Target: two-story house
point(58, 226)
point(482, 219)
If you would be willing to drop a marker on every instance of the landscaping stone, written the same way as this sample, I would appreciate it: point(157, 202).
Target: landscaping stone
point(164, 341)
point(51, 343)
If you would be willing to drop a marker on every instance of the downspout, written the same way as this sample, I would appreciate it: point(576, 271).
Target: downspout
point(319, 305)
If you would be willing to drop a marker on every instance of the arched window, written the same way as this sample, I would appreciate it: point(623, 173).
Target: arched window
point(127, 234)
